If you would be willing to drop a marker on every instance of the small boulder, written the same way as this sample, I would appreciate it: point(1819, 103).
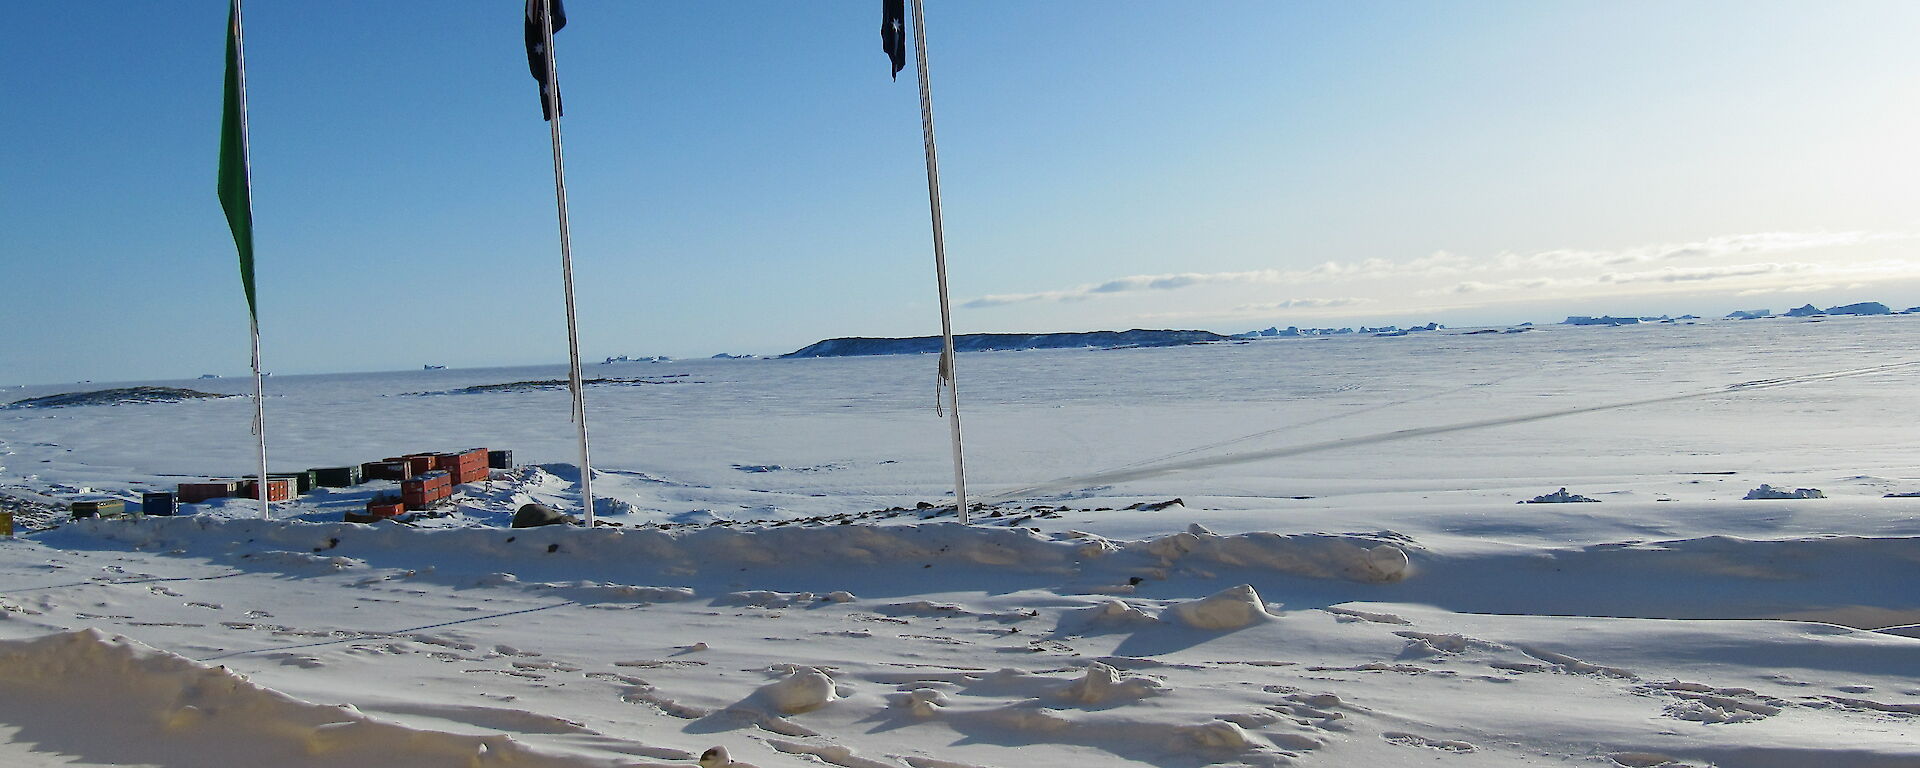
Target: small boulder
point(535, 515)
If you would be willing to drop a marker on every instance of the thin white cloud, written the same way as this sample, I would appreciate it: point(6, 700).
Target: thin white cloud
point(1443, 265)
point(1273, 306)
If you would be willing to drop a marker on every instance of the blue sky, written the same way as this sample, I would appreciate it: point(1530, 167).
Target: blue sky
point(745, 178)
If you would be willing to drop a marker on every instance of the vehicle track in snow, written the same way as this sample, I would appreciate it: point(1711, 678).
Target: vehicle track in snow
point(1172, 463)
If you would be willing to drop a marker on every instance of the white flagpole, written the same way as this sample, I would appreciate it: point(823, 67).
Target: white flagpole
point(551, 92)
point(940, 261)
point(253, 322)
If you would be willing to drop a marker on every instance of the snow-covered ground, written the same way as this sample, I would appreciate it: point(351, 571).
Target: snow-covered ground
point(1346, 578)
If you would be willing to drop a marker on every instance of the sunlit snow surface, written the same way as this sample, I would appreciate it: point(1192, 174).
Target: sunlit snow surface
point(1347, 581)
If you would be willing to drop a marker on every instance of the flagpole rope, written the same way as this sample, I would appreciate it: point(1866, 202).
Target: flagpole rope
point(946, 373)
point(253, 319)
point(550, 91)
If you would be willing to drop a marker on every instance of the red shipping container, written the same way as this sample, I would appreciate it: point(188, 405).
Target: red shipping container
point(278, 489)
point(424, 491)
point(420, 463)
point(382, 510)
point(194, 493)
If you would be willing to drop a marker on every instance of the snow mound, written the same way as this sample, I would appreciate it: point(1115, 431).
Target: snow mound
point(602, 592)
point(803, 691)
point(1102, 684)
point(1769, 492)
point(1114, 613)
point(1354, 557)
point(1232, 608)
point(171, 710)
point(762, 598)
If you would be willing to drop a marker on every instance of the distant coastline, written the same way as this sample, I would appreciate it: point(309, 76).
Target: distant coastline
point(998, 342)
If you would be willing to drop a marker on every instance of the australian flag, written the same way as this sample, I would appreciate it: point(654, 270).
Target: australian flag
point(893, 33)
point(537, 51)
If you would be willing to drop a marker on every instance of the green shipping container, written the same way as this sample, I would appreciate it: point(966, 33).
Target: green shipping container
point(100, 508)
point(336, 477)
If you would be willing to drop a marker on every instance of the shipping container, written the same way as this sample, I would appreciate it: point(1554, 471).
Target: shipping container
point(194, 493)
point(158, 503)
point(395, 469)
point(98, 508)
point(302, 480)
point(336, 477)
point(418, 463)
point(500, 458)
point(278, 488)
point(426, 490)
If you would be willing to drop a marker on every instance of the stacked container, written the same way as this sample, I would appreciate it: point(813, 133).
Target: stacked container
point(426, 490)
point(468, 466)
point(417, 463)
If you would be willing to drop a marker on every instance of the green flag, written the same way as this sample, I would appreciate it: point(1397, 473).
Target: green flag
point(236, 187)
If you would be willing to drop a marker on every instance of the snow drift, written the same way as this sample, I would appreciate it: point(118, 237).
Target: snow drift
point(164, 709)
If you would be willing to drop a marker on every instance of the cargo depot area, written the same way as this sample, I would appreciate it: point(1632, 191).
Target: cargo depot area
point(425, 481)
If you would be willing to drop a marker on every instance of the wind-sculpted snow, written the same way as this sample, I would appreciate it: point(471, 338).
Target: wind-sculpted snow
point(149, 706)
point(1379, 557)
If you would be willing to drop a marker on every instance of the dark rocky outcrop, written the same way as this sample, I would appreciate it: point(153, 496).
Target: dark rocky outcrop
point(120, 396)
point(991, 342)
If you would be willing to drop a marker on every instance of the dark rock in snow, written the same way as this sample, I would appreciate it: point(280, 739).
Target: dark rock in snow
point(1769, 492)
point(1558, 497)
point(536, 515)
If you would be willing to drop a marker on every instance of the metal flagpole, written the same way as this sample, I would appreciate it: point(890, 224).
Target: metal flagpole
point(551, 92)
point(253, 325)
point(940, 260)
